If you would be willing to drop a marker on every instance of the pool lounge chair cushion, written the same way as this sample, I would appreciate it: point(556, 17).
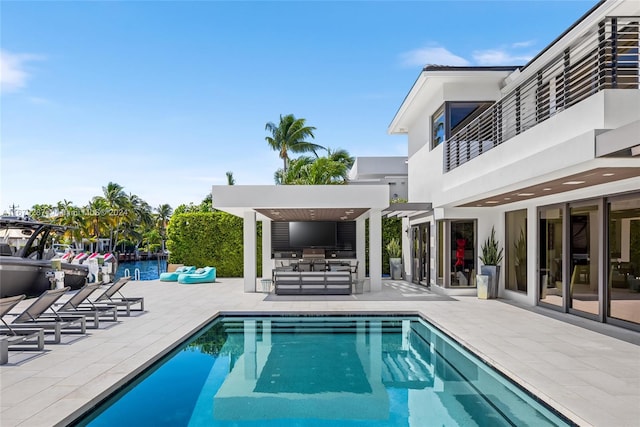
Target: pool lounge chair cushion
point(202, 275)
point(173, 276)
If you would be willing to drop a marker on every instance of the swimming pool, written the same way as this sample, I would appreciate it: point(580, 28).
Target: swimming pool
point(321, 371)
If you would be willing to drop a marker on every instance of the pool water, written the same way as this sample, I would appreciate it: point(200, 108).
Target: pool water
point(321, 371)
point(149, 269)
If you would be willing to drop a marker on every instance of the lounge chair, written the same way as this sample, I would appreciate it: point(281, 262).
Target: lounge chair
point(108, 298)
point(10, 337)
point(173, 276)
point(79, 303)
point(201, 275)
point(35, 316)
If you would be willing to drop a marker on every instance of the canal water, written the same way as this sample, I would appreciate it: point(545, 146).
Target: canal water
point(149, 270)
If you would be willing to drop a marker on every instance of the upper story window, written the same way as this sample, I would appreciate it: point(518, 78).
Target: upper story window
point(452, 116)
point(438, 128)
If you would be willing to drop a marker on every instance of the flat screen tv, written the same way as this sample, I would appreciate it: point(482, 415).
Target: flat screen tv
point(312, 234)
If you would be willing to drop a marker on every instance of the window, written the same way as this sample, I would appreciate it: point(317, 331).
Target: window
point(438, 130)
point(550, 257)
point(516, 251)
point(624, 259)
point(453, 116)
point(463, 253)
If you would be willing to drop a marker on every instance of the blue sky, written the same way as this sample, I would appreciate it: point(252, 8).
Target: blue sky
point(165, 97)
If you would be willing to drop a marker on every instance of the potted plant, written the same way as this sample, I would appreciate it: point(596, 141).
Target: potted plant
point(520, 256)
point(395, 258)
point(491, 258)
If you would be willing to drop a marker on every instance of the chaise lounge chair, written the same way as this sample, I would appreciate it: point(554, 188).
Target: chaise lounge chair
point(35, 317)
point(173, 276)
point(108, 298)
point(80, 304)
point(10, 337)
point(201, 275)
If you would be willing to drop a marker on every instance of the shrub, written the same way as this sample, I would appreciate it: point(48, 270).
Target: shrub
point(209, 239)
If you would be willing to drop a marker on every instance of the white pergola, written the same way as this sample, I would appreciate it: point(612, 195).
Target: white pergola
point(269, 203)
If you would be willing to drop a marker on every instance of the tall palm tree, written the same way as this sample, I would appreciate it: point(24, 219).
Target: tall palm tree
point(70, 216)
point(290, 135)
point(137, 220)
point(96, 219)
point(117, 202)
point(163, 213)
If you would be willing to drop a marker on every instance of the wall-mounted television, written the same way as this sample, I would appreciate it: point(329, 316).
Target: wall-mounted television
point(312, 234)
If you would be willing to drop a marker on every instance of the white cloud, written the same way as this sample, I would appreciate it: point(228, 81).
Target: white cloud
point(431, 55)
point(499, 57)
point(13, 73)
point(526, 43)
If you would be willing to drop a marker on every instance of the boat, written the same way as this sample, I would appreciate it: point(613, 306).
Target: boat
point(26, 251)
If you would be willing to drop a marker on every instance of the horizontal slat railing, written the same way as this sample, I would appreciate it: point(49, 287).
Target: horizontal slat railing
point(606, 58)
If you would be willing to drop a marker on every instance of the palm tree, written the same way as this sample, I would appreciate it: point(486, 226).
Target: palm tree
point(308, 171)
point(41, 212)
point(163, 213)
point(70, 216)
point(230, 179)
point(137, 220)
point(290, 135)
point(96, 219)
point(341, 156)
point(117, 202)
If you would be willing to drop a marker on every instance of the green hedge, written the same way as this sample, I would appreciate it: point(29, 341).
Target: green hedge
point(210, 239)
point(391, 227)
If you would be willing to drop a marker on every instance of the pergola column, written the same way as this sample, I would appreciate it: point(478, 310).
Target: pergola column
point(375, 249)
point(361, 253)
point(267, 262)
point(250, 249)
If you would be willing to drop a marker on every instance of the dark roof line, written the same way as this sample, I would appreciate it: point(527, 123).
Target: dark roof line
point(432, 67)
point(565, 32)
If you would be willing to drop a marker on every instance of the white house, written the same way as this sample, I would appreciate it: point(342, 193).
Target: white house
point(390, 171)
point(547, 154)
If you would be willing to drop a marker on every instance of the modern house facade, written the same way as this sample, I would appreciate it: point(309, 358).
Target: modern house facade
point(391, 171)
point(548, 155)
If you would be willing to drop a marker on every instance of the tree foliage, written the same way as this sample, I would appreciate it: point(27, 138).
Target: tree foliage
point(209, 239)
point(290, 135)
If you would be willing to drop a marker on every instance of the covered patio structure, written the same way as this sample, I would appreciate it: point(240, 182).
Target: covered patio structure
point(268, 203)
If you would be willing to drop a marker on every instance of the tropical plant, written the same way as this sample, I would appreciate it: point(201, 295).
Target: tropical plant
point(230, 179)
point(116, 202)
point(41, 212)
point(163, 214)
point(393, 248)
point(328, 170)
point(491, 250)
point(341, 156)
point(290, 135)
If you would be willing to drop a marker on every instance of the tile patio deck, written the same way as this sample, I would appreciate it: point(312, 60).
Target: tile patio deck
point(592, 378)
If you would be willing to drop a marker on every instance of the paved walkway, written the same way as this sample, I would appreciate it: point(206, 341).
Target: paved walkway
point(592, 378)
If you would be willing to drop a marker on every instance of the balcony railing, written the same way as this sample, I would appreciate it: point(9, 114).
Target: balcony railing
point(605, 58)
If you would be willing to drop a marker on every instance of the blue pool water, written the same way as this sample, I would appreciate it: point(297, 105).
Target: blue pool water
point(321, 371)
point(149, 270)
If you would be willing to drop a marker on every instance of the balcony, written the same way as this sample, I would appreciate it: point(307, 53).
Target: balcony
point(605, 58)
